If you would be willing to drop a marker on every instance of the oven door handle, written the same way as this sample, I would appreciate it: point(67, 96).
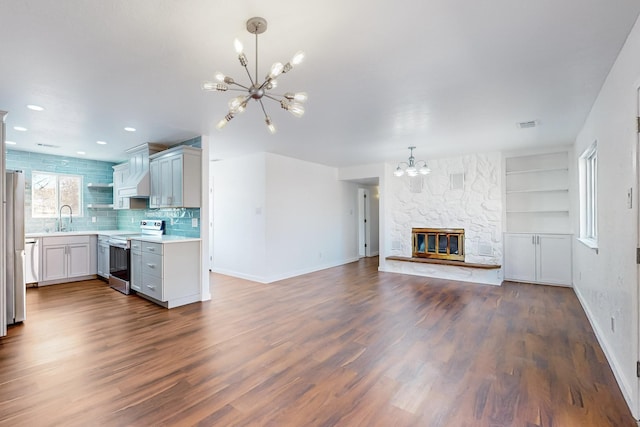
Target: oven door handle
point(118, 244)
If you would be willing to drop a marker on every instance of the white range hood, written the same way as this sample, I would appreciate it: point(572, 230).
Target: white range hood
point(137, 183)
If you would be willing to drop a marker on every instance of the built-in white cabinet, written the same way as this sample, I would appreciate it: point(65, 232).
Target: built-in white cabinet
point(538, 258)
point(68, 258)
point(537, 193)
point(103, 256)
point(176, 178)
point(166, 273)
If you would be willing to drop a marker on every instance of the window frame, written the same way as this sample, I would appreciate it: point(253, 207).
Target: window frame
point(58, 204)
point(589, 196)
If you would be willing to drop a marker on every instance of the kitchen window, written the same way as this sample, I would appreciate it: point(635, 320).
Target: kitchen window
point(50, 191)
point(589, 196)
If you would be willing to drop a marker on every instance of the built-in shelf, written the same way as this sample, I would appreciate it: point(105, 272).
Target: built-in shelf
point(540, 190)
point(537, 193)
point(545, 170)
point(99, 206)
point(540, 211)
point(94, 185)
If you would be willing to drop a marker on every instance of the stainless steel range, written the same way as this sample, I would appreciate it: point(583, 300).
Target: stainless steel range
point(120, 256)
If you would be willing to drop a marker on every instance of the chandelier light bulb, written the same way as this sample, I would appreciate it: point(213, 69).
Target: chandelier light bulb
point(237, 45)
point(237, 104)
point(219, 77)
point(276, 70)
point(297, 58)
point(272, 84)
point(298, 96)
point(424, 170)
point(270, 125)
point(398, 171)
point(412, 171)
point(226, 119)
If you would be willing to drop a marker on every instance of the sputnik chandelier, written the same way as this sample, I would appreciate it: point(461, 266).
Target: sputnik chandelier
point(291, 102)
point(413, 167)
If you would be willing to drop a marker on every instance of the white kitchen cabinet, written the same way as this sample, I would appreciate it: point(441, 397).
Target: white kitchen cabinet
point(176, 178)
point(103, 256)
point(67, 259)
point(136, 265)
point(169, 273)
point(538, 258)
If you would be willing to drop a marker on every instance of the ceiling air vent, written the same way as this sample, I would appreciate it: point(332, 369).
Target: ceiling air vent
point(527, 125)
point(47, 145)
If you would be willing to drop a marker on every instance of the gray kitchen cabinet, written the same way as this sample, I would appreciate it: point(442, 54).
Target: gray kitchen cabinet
point(176, 179)
point(136, 265)
point(67, 259)
point(103, 256)
point(169, 273)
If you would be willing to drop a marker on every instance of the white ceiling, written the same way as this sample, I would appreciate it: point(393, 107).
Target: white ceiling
point(447, 76)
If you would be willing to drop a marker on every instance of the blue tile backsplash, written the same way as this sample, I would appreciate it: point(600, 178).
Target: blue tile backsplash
point(178, 221)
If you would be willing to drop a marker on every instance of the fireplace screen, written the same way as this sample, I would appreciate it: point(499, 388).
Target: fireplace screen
point(441, 243)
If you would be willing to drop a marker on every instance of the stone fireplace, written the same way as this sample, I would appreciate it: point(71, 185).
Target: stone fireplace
point(438, 243)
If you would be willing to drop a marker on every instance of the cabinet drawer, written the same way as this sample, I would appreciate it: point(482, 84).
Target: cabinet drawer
point(152, 286)
point(136, 246)
point(151, 265)
point(65, 240)
point(152, 248)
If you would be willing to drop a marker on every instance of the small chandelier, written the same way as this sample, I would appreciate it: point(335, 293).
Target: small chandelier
point(413, 167)
point(291, 102)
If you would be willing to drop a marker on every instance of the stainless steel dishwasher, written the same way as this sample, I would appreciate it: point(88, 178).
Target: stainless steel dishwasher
point(31, 260)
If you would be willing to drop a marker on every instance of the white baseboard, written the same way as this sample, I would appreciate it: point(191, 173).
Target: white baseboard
point(613, 361)
point(283, 276)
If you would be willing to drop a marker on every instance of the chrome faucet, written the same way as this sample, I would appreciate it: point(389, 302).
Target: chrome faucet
point(60, 227)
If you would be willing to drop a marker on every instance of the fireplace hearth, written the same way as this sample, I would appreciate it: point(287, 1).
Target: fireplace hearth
point(438, 243)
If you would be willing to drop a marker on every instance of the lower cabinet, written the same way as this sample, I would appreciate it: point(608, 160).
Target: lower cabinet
point(68, 258)
point(103, 256)
point(166, 273)
point(538, 258)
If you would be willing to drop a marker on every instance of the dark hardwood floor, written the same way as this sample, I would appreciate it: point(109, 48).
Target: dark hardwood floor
point(347, 346)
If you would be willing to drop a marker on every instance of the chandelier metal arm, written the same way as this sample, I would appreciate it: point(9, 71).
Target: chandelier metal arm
point(266, 95)
point(263, 110)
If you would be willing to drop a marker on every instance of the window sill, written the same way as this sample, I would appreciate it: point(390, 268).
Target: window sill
point(590, 243)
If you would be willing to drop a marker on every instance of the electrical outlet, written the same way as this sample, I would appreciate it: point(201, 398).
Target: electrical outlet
point(194, 222)
point(630, 198)
point(613, 324)
point(94, 219)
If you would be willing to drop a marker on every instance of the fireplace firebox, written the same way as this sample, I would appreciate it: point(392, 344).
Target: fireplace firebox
point(439, 243)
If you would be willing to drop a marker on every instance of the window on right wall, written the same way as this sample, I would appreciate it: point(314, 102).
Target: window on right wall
point(588, 170)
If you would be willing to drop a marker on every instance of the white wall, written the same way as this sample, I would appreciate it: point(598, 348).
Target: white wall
point(606, 280)
point(277, 217)
point(239, 225)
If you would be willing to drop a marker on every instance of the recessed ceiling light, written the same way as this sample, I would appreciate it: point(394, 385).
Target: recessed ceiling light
point(101, 142)
point(20, 128)
point(10, 143)
point(130, 129)
point(81, 153)
point(35, 107)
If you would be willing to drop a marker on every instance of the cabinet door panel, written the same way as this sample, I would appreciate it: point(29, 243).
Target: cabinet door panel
point(554, 259)
point(54, 262)
point(79, 260)
point(176, 181)
point(520, 257)
point(154, 171)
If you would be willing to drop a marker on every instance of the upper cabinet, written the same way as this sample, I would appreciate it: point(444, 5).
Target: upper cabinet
point(176, 180)
point(537, 193)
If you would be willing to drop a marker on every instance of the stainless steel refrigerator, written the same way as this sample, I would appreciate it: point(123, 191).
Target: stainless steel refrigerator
point(15, 268)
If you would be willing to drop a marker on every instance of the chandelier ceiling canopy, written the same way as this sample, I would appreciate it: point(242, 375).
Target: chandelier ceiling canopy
point(257, 91)
point(412, 167)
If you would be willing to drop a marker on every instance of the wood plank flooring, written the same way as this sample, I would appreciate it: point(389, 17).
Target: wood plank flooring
point(347, 346)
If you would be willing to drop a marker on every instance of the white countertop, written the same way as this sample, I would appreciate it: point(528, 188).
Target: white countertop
point(157, 239)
